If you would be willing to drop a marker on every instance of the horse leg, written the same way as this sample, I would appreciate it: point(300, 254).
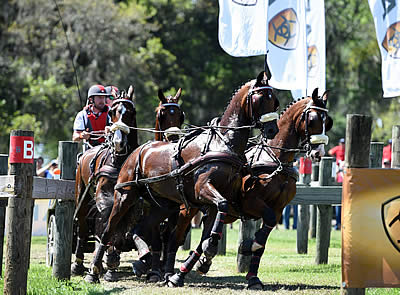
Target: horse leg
point(177, 280)
point(178, 226)
point(122, 202)
point(256, 247)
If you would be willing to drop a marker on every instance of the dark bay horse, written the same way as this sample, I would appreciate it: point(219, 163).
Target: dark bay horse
point(97, 172)
point(272, 184)
point(204, 167)
point(169, 117)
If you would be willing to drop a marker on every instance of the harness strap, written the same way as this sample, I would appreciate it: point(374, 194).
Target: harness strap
point(187, 168)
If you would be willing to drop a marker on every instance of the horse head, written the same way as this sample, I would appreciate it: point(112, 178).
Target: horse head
point(313, 125)
point(262, 105)
point(123, 116)
point(169, 117)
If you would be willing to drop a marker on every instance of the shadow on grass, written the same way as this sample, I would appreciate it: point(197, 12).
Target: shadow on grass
point(194, 280)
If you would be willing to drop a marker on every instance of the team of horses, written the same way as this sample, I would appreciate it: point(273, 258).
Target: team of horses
point(130, 190)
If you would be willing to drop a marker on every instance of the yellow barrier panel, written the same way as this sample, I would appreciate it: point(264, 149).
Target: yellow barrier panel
point(371, 228)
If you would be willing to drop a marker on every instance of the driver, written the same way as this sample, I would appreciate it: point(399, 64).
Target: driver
point(94, 117)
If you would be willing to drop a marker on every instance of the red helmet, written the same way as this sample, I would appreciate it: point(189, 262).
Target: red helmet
point(97, 90)
point(112, 91)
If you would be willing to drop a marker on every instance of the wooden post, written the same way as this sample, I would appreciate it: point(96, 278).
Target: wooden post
point(396, 146)
point(358, 137)
point(3, 206)
point(64, 211)
point(375, 156)
point(315, 172)
point(324, 213)
point(222, 242)
point(303, 221)
point(19, 212)
point(247, 229)
point(313, 222)
point(313, 208)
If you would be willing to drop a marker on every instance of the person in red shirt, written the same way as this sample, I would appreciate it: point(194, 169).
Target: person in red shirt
point(94, 117)
point(387, 155)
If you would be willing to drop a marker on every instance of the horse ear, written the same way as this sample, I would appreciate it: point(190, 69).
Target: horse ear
point(178, 94)
point(131, 93)
point(260, 77)
point(325, 96)
point(315, 95)
point(161, 96)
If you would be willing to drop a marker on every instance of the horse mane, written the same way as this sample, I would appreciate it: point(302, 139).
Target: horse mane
point(318, 103)
point(170, 99)
point(238, 93)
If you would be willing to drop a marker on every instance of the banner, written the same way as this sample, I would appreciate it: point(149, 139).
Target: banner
point(371, 228)
point(242, 28)
point(386, 16)
point(287, 56)
point(316, 60)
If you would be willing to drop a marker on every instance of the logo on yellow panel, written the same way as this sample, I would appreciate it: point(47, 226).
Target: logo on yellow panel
point(391, 220)
point(283, 29)
point(392, 40)
point(312, 59)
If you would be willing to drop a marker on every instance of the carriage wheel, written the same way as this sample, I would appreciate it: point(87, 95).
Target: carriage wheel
point(51, 226)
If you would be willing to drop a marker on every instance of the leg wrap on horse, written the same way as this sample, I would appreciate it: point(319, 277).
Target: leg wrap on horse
point(155, 262)
point(79, 251)
point(216, 232)
point(269, 222)
point(170, 263)
point(254, 263)
point(190, 262)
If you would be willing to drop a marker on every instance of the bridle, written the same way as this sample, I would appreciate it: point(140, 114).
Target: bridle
point(308, 141)
point(173, 129)
point(258, 122)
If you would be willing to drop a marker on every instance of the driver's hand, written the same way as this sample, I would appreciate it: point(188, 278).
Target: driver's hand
point(85, 135)
point(107, 129)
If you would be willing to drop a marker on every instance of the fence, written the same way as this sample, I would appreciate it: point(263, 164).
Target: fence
point(19, 189)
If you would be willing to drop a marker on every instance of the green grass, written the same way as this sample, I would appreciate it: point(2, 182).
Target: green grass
point(282, 271)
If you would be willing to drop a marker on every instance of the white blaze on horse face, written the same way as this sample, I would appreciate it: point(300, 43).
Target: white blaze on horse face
point(118, 140)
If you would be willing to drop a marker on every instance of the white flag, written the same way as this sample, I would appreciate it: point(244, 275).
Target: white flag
point(287, 56)
point(316, 57)
point(386, 15)
point(242, 29)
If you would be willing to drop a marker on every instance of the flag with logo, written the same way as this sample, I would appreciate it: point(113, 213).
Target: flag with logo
point(386, 16)
point(287, 50)
point(316, 60)
point(242, 29)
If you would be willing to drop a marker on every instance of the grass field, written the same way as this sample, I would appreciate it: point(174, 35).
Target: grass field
point(282, 271)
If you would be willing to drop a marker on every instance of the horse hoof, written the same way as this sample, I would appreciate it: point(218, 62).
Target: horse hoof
point(92, 278)
point(167, 275)
point(139, 268)
point(175, 281)
point(245, 247)
point(111, 276)
point(254, 283)
point(209, 249)
point(153, 277)
point(202, 267)
point(77, 269)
